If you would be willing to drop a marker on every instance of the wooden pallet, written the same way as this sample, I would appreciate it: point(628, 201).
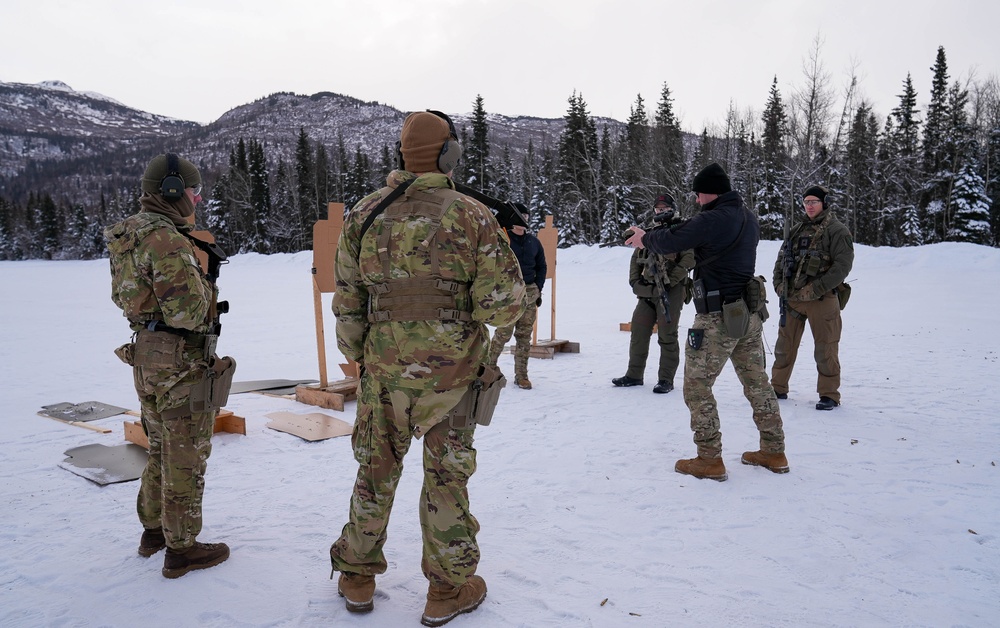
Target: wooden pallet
point(547, 349)
point(332, 397)
point(225, 421)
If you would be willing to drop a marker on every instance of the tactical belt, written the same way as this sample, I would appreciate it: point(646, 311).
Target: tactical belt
point(418, 300)
point(190, 337)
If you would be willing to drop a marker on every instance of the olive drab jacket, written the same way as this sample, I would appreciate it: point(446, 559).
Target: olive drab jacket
point(415, 293)
point(823, 253)
point(673, 267)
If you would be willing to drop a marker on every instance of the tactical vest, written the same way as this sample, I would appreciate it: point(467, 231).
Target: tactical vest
point(428, 298)
point(810, 261)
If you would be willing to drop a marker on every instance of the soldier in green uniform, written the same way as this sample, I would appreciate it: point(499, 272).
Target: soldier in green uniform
point(170, 304)
point(647, 273)
point(420, 271)
point(820, 254)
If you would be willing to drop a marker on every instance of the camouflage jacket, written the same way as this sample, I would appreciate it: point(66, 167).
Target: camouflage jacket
point(469, 249)
point(643, 266)
point(155, 274)
point(823, 253)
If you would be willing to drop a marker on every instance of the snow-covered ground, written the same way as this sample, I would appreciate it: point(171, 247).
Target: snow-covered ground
point(890, 515)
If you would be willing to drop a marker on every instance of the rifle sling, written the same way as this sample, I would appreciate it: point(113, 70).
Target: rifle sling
point(389, 198)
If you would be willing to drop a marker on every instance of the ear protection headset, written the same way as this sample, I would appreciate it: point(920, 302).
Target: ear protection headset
point(172, 185)
point(451, 150)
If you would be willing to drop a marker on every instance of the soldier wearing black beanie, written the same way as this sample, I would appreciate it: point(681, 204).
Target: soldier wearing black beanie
point(727, 328)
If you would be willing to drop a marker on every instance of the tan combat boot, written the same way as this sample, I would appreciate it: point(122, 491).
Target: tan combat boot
point(151, 542)
point(523, 382)
point(774, 462)
point(444, 603)
point(176, 563)
point(358, 592)
point(703, 468)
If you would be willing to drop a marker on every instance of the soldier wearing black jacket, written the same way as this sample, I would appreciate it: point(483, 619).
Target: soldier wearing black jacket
point(724, 236)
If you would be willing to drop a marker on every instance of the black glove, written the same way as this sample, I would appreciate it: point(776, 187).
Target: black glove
point(538, 302)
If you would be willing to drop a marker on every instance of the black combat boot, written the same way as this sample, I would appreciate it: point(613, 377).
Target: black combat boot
point(663, 387)
point(176, 563)
point(825, 403)
point(625, 380)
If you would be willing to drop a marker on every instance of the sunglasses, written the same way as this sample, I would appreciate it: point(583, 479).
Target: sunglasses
point(197, 189)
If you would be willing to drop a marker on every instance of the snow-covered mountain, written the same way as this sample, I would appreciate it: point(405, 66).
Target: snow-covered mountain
point(60, 140)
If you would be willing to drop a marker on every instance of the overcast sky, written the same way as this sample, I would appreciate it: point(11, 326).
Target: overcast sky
point(195, 60)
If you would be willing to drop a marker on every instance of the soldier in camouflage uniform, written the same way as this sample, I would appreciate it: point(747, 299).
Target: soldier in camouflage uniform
point(418, 279)
point(531, 258)
point(162, 290)
point(724, 236)
point(822, 255)
point(646, 271)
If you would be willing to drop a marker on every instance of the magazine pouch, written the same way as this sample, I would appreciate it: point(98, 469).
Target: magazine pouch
point(736, 318)
point(157, 350)
point(843, 294)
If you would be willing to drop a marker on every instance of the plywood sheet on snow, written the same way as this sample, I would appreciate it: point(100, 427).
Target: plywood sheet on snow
point(312, 427)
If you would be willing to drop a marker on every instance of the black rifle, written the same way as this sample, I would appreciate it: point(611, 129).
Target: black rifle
point(787, 270)
point(506, 212)
point(216, 258)
point(669, 220)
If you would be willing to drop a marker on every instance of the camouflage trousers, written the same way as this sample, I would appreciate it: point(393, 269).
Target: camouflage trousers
point(383, 430)
point(647, 313)
point(826, 326)
point(173, 482)
point(522, 334)
point(702, 367)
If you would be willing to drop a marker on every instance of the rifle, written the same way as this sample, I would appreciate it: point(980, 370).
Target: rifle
point(506, 212)
point(216, 258)
point(668, 220)
point(787, 270)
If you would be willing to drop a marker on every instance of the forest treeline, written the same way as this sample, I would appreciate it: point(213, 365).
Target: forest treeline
point(916, 176)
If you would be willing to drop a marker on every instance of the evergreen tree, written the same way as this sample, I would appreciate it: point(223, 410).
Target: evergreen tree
point(260, 199)
point(773, 199)
point(49, 227)
point(937, 117)
point(305, 175)
point(862, 191)
point(476, 151)
point(282, 223)
point(322, 180)
point(901, 159)
point(668, 146)
point(576, 214)
point(970, 208)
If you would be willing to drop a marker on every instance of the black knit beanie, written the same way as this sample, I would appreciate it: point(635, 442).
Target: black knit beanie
point(712, 180)
point(818, 191)
point(665, 199)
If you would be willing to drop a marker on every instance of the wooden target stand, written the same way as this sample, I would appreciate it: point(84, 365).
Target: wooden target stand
point(225, 420)
point(547, 349)
point(327, 394)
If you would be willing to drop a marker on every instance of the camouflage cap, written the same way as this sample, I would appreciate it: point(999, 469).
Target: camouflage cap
point(157, 170)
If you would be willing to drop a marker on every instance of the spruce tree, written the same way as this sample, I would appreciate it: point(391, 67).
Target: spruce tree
point(668, 147)
point(476, 150)
point(774, 206)
point(969, 208)
point(305, 176)
point(578, 158)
